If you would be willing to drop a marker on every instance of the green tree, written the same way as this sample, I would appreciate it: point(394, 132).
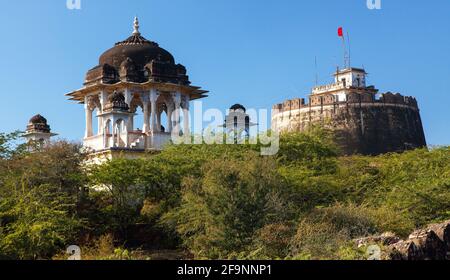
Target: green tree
point(221, 212)
point(119, 181)
point(36, 224)
point(39, 195)
point(9, 144)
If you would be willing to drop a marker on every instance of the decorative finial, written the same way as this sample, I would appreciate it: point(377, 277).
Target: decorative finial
point(136, 26)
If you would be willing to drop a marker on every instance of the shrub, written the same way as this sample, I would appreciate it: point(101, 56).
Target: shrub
point(221, 212)
point(322, 232)
point(272, 241)
point(36, 227)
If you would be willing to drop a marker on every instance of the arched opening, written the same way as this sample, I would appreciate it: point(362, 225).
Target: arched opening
point(108, 127)
point(247, 127)
point(94, 107)
point(137, 121)
point(120, 132)
point(108, 133)
point(161, 119)
point(164, 122)
point(96, 122)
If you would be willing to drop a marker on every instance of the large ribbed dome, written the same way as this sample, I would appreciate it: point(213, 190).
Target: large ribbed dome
point(137, 60)
point(140, 50)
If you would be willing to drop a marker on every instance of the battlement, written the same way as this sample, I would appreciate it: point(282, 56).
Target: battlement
point(352, 98)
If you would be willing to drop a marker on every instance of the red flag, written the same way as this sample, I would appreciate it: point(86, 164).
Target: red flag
point(341, 32)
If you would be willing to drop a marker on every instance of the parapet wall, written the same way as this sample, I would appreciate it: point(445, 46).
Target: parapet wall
point(353, 98)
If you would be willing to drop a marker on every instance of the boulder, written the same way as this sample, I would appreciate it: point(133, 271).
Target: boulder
point(405, 251)
point(432, 247)
point(443, 232)
point(430, 243)
point(386, 239)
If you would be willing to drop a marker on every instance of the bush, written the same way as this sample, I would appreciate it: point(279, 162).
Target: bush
point(322, 232)
point(221, 212)
point(272, 241)
point(314, 150)
point(36, 227)
point(39, 193)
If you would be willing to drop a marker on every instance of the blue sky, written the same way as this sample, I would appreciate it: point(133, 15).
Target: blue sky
point(253, 52)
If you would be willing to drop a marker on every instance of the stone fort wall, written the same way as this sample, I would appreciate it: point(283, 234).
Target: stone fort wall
point(363, 124)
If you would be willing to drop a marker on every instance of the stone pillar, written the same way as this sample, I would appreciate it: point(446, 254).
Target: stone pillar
point(88, 111)
point(131, 124)
point(103, 96)
point(146, 109)
point(128, 98)
point(153, 99)
point(116, 133)
point(169, 117)
point(103, 99)
point(176, 115)
point(127, 95)
point(158, 122)
point(186, 130)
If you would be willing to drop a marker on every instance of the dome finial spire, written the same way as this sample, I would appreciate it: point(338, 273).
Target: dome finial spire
point(136, 26)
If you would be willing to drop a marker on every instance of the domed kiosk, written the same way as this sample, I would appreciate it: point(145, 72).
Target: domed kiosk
point(135, 74)
point(237, 123)
point(38, 132)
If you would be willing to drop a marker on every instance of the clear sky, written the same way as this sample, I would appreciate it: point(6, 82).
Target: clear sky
point(254, 52)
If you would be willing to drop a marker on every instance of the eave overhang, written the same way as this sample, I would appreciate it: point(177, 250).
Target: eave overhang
point(193, 91)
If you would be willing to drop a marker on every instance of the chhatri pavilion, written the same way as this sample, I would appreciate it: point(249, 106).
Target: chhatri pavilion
point(135, 75)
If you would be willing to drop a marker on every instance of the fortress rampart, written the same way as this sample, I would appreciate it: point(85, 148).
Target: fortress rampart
point(363, 124)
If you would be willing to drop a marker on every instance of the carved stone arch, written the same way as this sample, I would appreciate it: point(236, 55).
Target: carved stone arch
point(120, 125)
point(162, 99)
point(108, 126)
point(163, 103)
point(135, 103)
point(94, 103)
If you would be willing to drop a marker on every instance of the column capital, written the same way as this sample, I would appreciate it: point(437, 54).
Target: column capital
point(92, 102)
point(176, 96)
point(185, 101)
point(154, 95)
point(145, 97)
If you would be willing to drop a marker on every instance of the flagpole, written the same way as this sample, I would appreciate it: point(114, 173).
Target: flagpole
point(349, 51)
point(341, 34)
point(345, 52)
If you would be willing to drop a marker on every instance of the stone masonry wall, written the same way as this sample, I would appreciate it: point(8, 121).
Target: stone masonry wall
point(362, 124)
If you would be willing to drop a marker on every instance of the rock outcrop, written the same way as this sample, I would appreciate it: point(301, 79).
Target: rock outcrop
point(430, 243)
